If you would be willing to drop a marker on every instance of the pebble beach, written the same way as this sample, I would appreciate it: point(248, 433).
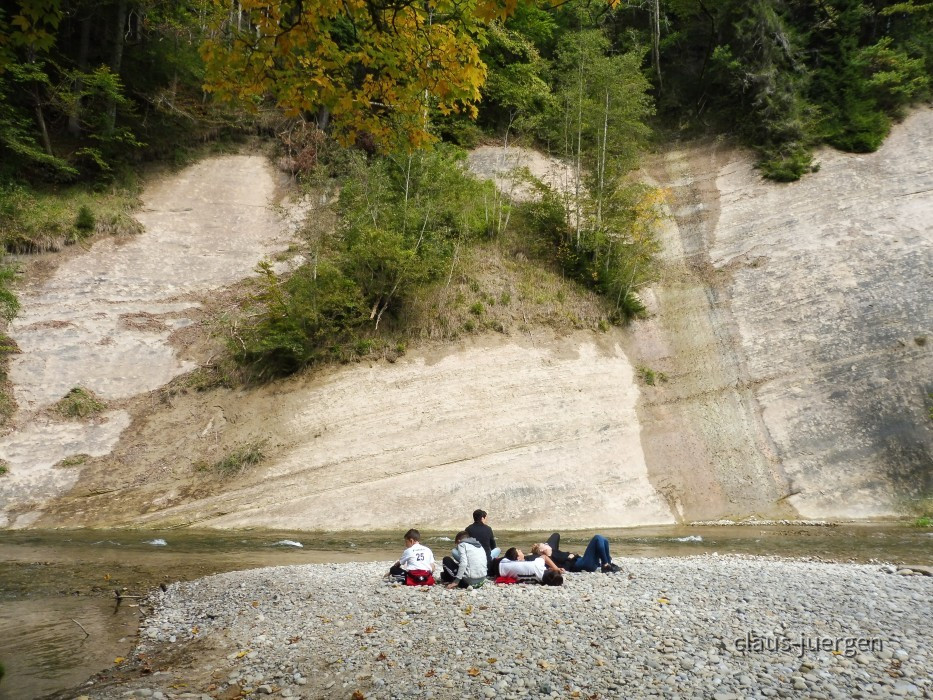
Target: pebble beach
point(695, 627)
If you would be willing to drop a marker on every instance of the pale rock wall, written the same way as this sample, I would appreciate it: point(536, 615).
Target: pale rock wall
point(796, 322)
point(541, 436)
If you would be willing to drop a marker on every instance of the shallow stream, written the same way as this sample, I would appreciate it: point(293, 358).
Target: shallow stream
point(59, 621)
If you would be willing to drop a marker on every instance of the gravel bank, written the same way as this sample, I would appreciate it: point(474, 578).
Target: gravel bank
point(662, 628)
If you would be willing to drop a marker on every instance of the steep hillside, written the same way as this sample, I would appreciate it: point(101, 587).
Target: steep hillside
point(785, 372)
point(795, 324)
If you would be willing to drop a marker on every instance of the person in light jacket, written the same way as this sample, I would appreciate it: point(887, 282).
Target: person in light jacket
point(468, 568)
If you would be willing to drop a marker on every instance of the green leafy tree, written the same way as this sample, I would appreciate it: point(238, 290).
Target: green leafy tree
point(516, 93)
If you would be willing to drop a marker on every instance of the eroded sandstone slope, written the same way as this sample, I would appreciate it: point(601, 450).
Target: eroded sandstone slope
point(796, 322)
point(793, 324)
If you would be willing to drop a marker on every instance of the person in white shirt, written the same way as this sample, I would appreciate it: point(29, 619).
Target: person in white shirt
point(542, 568)
point(416, 556)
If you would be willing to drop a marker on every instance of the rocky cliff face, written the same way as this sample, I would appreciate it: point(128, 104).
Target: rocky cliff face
point(793, 324)
point(796, 324)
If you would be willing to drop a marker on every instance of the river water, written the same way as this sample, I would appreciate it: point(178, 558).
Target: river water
point(59, 621)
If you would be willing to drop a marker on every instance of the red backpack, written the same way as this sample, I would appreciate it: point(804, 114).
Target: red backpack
point(419, 577)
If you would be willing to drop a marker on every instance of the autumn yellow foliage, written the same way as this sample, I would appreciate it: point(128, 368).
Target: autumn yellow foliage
point(370, 68)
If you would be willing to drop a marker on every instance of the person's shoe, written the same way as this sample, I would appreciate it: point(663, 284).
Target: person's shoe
point(612, 569)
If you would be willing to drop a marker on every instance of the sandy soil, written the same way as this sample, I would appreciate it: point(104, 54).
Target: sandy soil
point(103, 318)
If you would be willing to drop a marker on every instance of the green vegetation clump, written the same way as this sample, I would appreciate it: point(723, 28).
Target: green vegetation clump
point(9, 303)
point(246, 455)
point(85, 220)
point(4, 467)
point(34, 219)
point(74, 460)
point(613, 259)
point(789, 76)
point(788, 166)
point(399, 223)
point(924, 521)
point(408, 230)
point(651, 377)
point(79, 403)
point(206, 378)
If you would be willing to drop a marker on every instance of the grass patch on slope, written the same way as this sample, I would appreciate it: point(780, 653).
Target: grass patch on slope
point(79, 403)
point(246, 455)
point(35, 220)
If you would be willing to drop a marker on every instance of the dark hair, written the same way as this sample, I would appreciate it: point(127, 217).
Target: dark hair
point(413, 534)
point(479, 514)
point(462, 535)
point(552, 578)
point(511, 554)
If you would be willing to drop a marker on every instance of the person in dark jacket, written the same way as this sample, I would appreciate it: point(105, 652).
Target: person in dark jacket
point(596, 557)
point(480, 531)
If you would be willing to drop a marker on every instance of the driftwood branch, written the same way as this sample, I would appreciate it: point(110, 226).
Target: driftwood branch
point(86, 633)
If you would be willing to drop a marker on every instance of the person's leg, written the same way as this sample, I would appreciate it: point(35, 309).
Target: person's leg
point(605, 557)
point(595, 556)
point(554, 541)
point(396, 570)
point(449, 570)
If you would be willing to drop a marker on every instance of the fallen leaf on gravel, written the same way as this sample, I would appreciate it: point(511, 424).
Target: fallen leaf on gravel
point(472, 671)
point(664, 601)
point(294, 640)
point(119, 660)
point(429, 674)
point(369, 630)
point(243, 653)
point(468, 610)
point(491, 660)
point(358, 695)
point(195, 630)
point(544, 665)
point(255, 603)
point(381, 657)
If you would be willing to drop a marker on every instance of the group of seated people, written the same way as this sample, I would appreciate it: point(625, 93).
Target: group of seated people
point(475, 558)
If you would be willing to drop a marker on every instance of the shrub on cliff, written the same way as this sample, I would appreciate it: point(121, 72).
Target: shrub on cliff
point(399, 221)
